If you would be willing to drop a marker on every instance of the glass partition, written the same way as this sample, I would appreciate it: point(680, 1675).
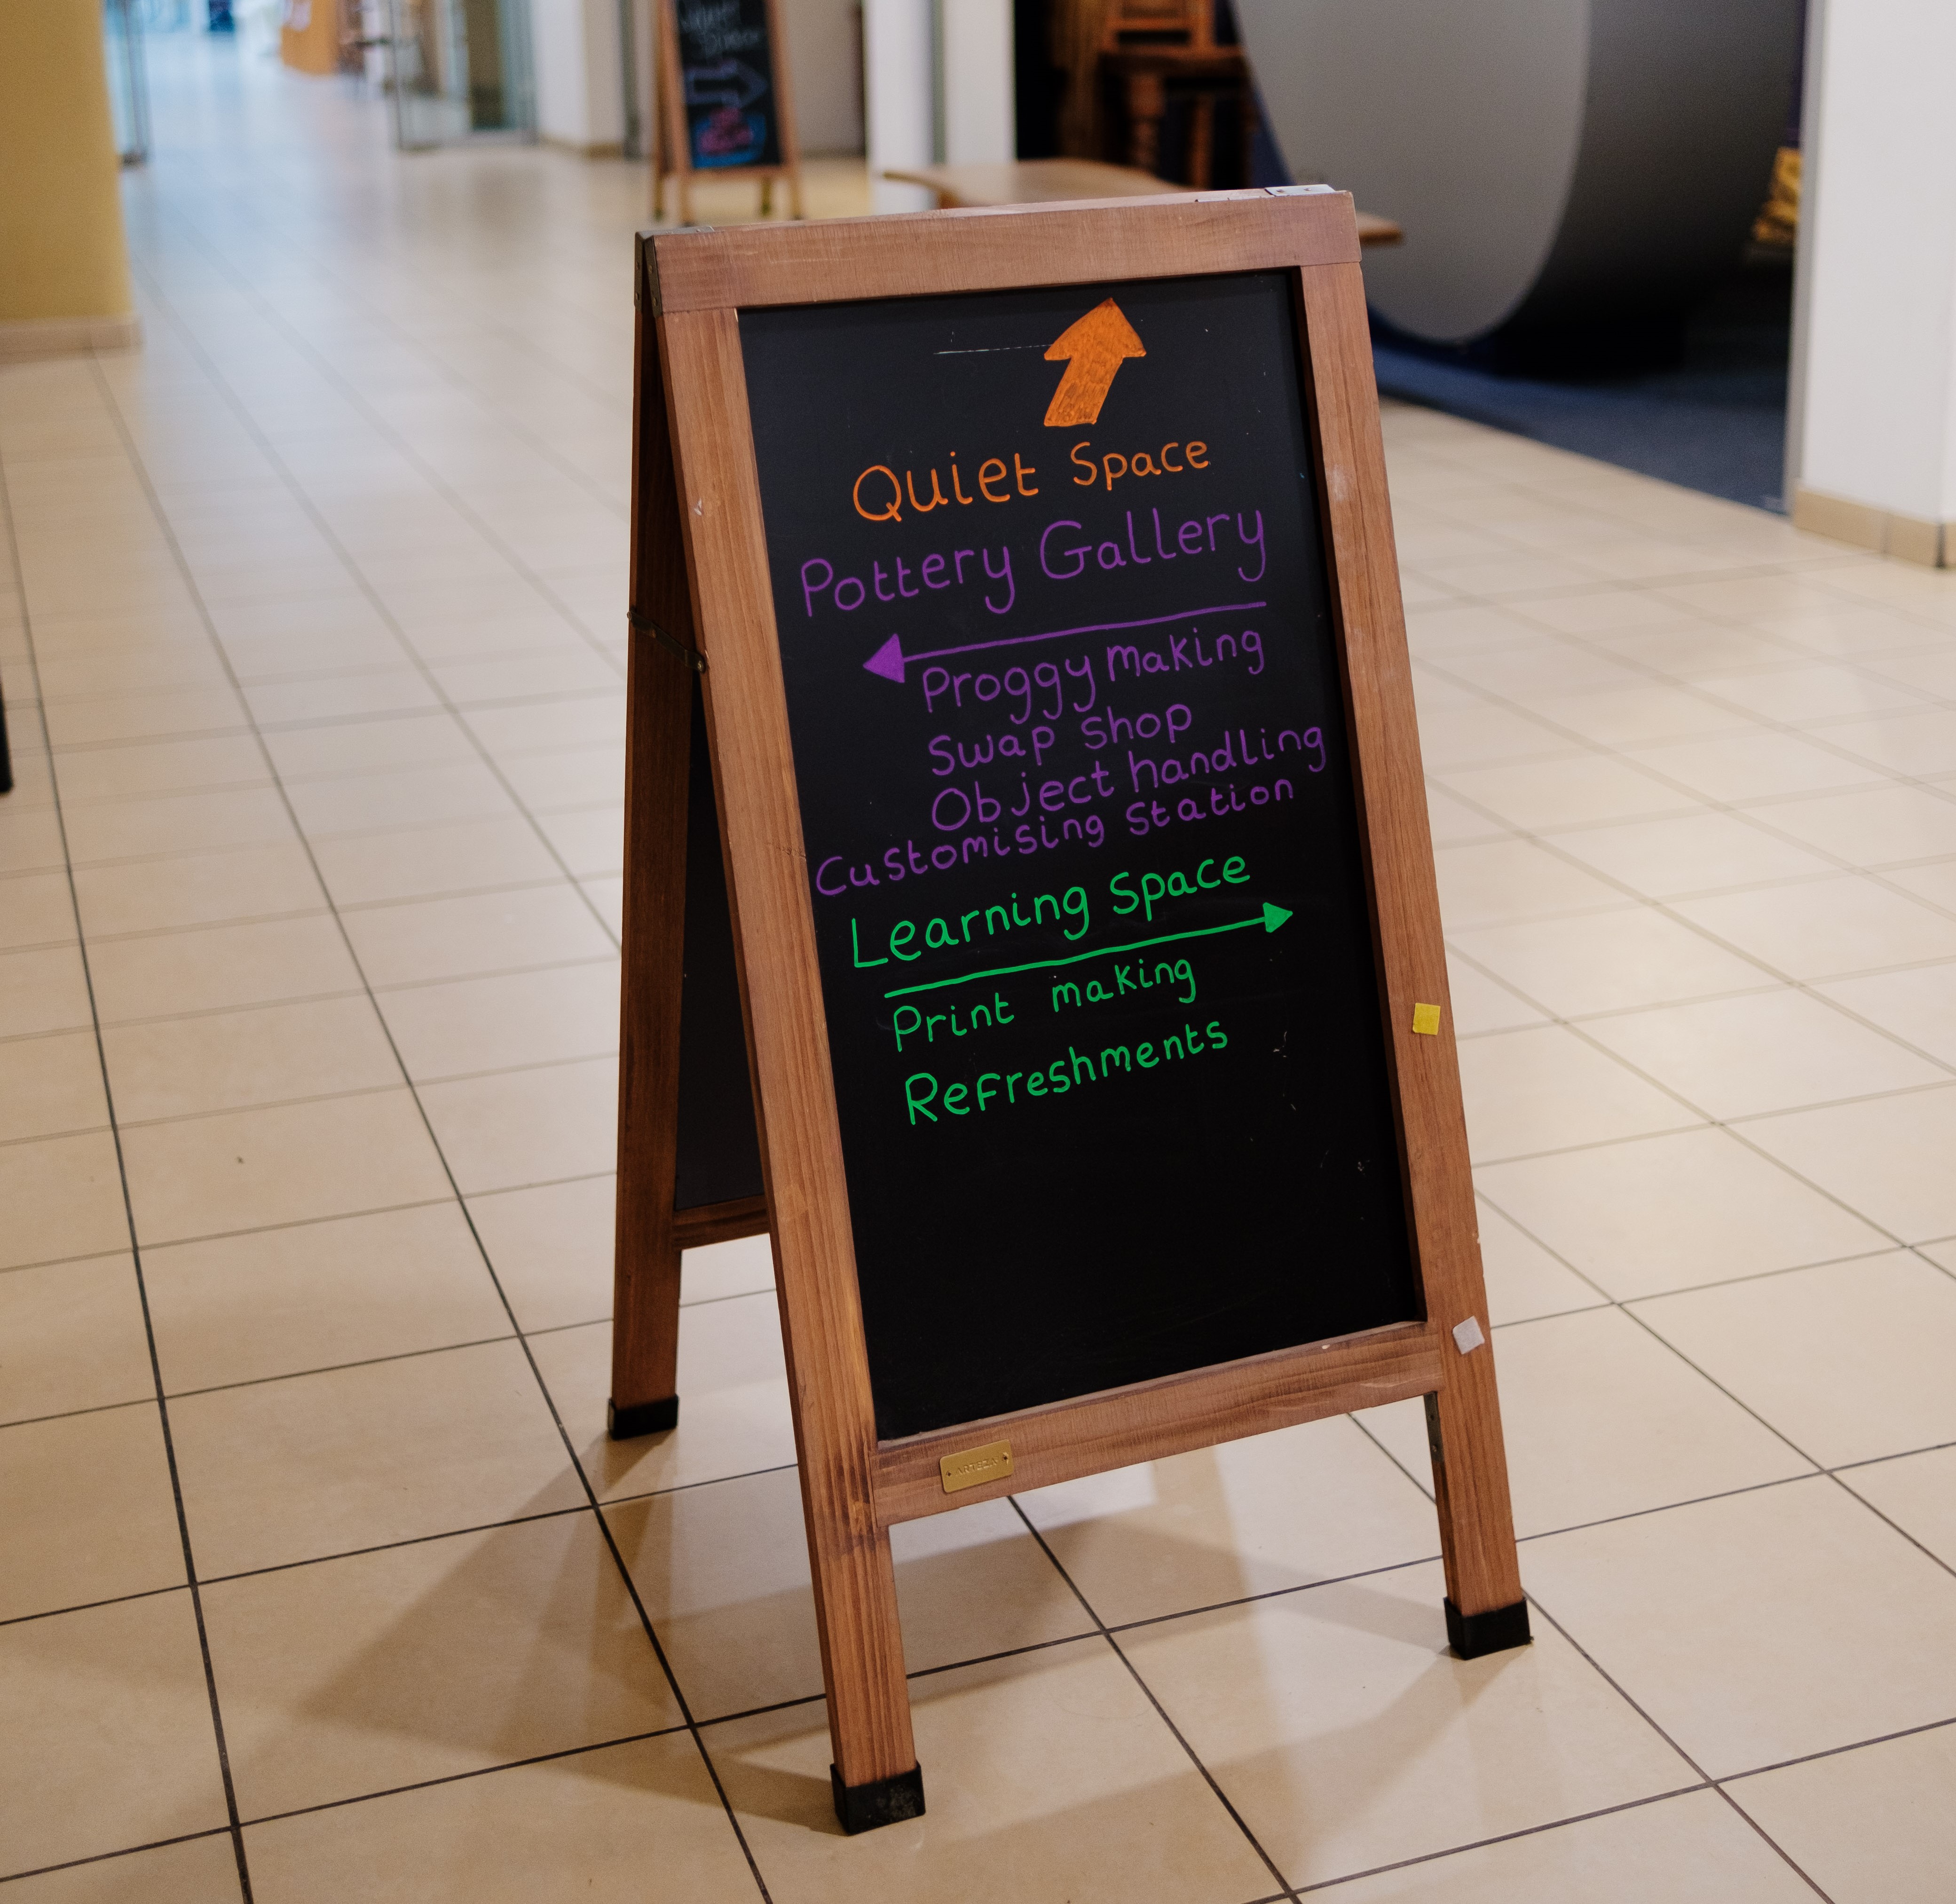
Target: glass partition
point(460, 70)
point(128, 84)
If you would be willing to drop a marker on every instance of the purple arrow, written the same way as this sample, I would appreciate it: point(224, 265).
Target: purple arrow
point(889, 660)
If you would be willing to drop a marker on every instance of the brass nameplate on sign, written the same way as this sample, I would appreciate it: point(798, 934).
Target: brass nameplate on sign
point(974, 1467)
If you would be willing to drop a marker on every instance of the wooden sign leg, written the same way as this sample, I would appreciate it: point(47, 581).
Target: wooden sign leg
point(1485, 1610)
point(645, 1327)
point(875, 1778)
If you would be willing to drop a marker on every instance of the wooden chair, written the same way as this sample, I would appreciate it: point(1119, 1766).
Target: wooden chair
point(1159, 23)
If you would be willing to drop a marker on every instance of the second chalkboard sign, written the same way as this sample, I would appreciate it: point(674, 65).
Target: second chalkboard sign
point(724, 97)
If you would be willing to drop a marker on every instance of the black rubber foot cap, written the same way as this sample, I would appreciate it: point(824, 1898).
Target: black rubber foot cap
point(647, 1418)
point(1471, 1634)
point(882, 1801)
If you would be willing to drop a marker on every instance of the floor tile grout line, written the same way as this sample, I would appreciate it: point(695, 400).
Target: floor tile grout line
point(460, 1778)
point(1668, 908)
point(83, 804)
point(1877, 873)
point(300, 343)
point(783, 1705)
point(90, 1607)
point(1636, 1706)
point(444, 711)
point(60, 1262)
point(494, 704)
point(1605, 1300)
point(391, 1546)
point(1887, 1519)
point(108, 1856)
point(1623, 1305)
point(1693, 688)
point(1161, 1711)
point(228, 1784)
point(1630, 752)
point(514, 340)
point(1738, 888)
point(331, 836)
point(590, 961)
point(1504, 1838)
point(200, 925)
point(226, 1011)
point(543, 1389)
point(163, 737)
point(52, 1136)
point(307, 1223)
point(1733, 1127)
point(1778, 1433)
point(343, 1368)
point(382, 1361)
point(1625, 1308)
point(1297, 1588)
point(431, 1080)
point(210, 1114)
point(1420, 1487)
point(275, 458)
point(1658, 677)
point(292, 1223)
point(1698, 1121)
point(1838, 1751)
point(1816, 1472)
point(1784, 1269)
point(1484, 1194)
point(1880, 1460)
point(607, 1503)
point(497, 890)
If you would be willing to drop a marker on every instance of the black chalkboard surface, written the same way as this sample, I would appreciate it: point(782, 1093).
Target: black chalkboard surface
point(1094, 938)
point(718, 1158)
point(727, 84)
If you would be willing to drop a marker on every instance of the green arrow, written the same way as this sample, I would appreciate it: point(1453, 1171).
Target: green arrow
point(1270, 919)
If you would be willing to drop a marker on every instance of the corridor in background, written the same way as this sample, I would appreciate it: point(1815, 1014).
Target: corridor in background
point(319, 1563)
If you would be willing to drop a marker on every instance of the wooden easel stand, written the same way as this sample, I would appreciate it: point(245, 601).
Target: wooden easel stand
point(702, 589)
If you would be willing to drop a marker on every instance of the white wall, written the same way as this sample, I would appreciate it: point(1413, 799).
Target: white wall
point(975, 44)
point(910, 47)
point(826, 70)
point(579, 76)
point(897, 37)
point(1875, 409)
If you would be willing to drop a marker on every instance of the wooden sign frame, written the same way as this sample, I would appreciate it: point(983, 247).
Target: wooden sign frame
point(674, 165)
point(704, 620)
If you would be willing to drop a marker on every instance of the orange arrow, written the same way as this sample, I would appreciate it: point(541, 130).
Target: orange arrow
point(1093, 348)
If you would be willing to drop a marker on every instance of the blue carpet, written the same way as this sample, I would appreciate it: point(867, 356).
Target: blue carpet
point(1714, 422)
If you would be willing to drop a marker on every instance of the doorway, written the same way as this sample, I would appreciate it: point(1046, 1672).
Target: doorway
point(461, 70)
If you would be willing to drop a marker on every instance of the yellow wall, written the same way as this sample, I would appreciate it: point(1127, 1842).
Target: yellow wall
point(60, 217)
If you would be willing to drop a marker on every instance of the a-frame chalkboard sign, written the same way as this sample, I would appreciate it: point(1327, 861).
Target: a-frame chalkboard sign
point(1020, 706)
point(725, 104)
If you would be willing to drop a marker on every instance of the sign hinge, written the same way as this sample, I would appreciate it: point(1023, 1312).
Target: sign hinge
point(644, 625)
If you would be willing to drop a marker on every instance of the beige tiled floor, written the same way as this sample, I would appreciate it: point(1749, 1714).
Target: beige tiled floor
point(318, 1569)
